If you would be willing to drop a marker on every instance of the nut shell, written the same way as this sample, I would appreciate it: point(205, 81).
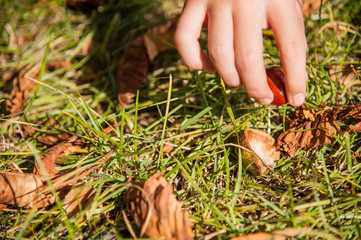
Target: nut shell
point(276, 81)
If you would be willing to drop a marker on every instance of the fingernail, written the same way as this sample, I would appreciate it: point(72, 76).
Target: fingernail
point(265, 101)
point(298, 99)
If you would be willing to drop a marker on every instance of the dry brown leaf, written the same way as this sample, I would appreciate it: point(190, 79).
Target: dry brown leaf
point(28, 191)
point(50, 139)
point(132, 71)
point(22, 84)
point(58, 151)
point(158, 212)
point(356, 127)
point(21, 88)
point(23, 190)
point(32, 191)
point(309, 129)
point(133, 67)
point(310, 7)
point(261, 154)
point(168, 148)
point(274, 235)
point(155, 38)
point(62, 149)
point(76, 196)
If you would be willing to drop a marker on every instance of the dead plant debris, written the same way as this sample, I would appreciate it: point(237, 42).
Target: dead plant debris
point(34, 191)
point(310, 128)
point(260, 153)
point(23, 85)
point(157, 211)
point(133, 67)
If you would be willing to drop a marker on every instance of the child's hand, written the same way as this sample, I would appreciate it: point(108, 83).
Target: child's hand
point(235, 43)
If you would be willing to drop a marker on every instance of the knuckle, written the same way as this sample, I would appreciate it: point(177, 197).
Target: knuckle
point(295, 49)
point(246, 60)
point(218, 52)
point(180, 37)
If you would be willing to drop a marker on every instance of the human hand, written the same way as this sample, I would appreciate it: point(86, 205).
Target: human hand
point(235, 43)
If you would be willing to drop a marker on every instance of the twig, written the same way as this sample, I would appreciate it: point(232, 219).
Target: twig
point(354, 72)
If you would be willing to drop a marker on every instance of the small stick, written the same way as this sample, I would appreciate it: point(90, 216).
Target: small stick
point(354, 72)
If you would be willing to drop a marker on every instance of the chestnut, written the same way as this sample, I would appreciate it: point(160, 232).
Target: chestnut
point(276, 81)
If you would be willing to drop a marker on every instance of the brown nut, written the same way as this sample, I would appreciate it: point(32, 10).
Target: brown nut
point(276, 81)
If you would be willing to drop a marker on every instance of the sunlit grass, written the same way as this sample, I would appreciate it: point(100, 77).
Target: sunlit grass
point(193, 111)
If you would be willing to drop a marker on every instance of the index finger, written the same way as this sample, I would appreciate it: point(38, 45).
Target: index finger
point(187, 34)
point(286, 20)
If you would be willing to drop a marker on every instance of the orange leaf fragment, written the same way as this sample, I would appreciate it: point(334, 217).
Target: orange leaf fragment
point(158, 212)
point(57, 151)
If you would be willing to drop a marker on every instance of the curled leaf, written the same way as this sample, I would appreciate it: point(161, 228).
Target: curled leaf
point(57, 151)
point(261, 154)
point(32, 191)
point(23, 190)
point(157, 211)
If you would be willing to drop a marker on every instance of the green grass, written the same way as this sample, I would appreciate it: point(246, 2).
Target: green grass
point(318, 189)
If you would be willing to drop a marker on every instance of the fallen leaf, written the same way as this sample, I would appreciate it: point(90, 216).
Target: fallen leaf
point(62, 149)
point(21, 88)
point(260, 152)
point(309, 129)
point(132, 71)
point(133, 66)
point(50, 139)
point(274, 235)
point(23, 190)
point(157, 211)
point(32, 191)
point(23, 85)
point(356, 127)
point(156, 37)
point(168, 148)
point(67, 146)
point(76, 196)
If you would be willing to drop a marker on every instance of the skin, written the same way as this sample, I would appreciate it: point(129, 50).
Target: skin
point(235, 43)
